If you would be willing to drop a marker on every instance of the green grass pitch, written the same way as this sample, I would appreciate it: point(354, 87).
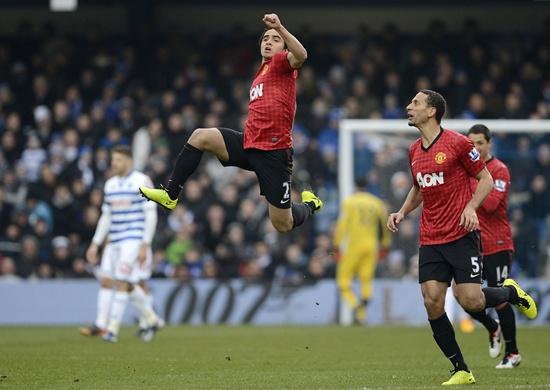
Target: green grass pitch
point(222, 357)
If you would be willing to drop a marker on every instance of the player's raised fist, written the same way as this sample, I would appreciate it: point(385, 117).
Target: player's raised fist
point(271, 21)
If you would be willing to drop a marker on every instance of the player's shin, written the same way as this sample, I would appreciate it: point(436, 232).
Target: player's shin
point(488, 322)
point(444, 336)
point(144, 305)
point(118, 306)
point(186, 163)
point(494, 296)
point(104, 297)
point(300, 213)
point(508, 324)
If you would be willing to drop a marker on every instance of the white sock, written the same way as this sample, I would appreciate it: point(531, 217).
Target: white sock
point(149, 298)
point(120, 301)
point(104, 297)
point(144, 304)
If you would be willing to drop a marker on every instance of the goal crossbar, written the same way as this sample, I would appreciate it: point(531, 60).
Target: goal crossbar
point(348, 127)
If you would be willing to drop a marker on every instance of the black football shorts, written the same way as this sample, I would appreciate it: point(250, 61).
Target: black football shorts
point(496, 267)
point(460, 260)
point(273, 168)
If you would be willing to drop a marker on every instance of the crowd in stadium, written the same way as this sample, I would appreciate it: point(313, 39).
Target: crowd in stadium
point(65, 100)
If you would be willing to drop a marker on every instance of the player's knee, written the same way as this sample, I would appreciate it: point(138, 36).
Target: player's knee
point(282, 226)
point(343, 285)
point(122, 285)
point(472, 302)
point(433, 303)
point(107, 283)
point(144, 286)
point(201, 138)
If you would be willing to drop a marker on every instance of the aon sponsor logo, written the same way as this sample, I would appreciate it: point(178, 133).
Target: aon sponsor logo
point(429, 179)
point(256, 92)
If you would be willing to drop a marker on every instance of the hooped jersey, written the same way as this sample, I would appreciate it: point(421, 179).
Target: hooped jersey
point(126, 206)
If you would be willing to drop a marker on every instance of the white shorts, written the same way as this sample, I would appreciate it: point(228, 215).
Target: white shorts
point(120, 262)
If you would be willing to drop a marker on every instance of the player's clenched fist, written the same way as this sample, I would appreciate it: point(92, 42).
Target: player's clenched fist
point(272, 21)
point(469, 220)
point(393, 221)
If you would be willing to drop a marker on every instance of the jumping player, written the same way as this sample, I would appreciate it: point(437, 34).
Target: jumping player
point(265, 147)
point(442, 163)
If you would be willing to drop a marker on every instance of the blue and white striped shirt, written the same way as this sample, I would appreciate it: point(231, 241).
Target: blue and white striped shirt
point(126, 206)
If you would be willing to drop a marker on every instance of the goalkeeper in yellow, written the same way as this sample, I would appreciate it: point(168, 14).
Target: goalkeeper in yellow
point(360, 239)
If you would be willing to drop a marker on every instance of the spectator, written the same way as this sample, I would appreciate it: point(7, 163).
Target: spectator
point(57, 124)
point(28, 260)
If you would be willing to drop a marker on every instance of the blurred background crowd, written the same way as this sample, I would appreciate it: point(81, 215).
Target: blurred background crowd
point(65, 100)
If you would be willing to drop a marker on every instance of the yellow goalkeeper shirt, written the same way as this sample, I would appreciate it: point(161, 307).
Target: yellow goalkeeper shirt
point(361, 224)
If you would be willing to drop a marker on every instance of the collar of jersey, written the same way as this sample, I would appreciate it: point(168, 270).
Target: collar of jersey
point(433, 142)
point(127, 176)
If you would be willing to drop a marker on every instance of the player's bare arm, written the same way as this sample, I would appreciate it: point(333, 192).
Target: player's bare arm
point(413, 200)
point(91, 253)
point(142, 255)
point(468, 219)
point(297, 53)
point(101, 231)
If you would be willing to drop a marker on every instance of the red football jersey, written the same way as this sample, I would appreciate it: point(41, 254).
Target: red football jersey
point(442, 173)
point(496, 235)
point(272, 105)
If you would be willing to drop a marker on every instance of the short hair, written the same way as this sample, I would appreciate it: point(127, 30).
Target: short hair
point(122, 149)
point(361, 183)
point(262, 37)
point(480, 129)
point(435, 99)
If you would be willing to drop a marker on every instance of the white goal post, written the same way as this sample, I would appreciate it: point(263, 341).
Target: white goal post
point(349, 127)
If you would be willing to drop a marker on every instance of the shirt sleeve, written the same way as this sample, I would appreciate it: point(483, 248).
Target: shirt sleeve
point(150, 211)
point(415, 183)
point(147, 182)
point(469, 157)
point(280, 62)
point(501, 178)
point(150, 226)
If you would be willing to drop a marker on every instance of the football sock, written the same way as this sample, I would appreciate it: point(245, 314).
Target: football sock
point(150, 303)
point(186, 163)
point(508, 326)
point(311, 206)
point(444, 336)
point(488, 322)
point(104, 297)
point(142, 303)
point(300, 213)
point(120, 300)
point(494, 296)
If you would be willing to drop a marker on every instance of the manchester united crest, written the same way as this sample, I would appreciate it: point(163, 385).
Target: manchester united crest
point(440, 158)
